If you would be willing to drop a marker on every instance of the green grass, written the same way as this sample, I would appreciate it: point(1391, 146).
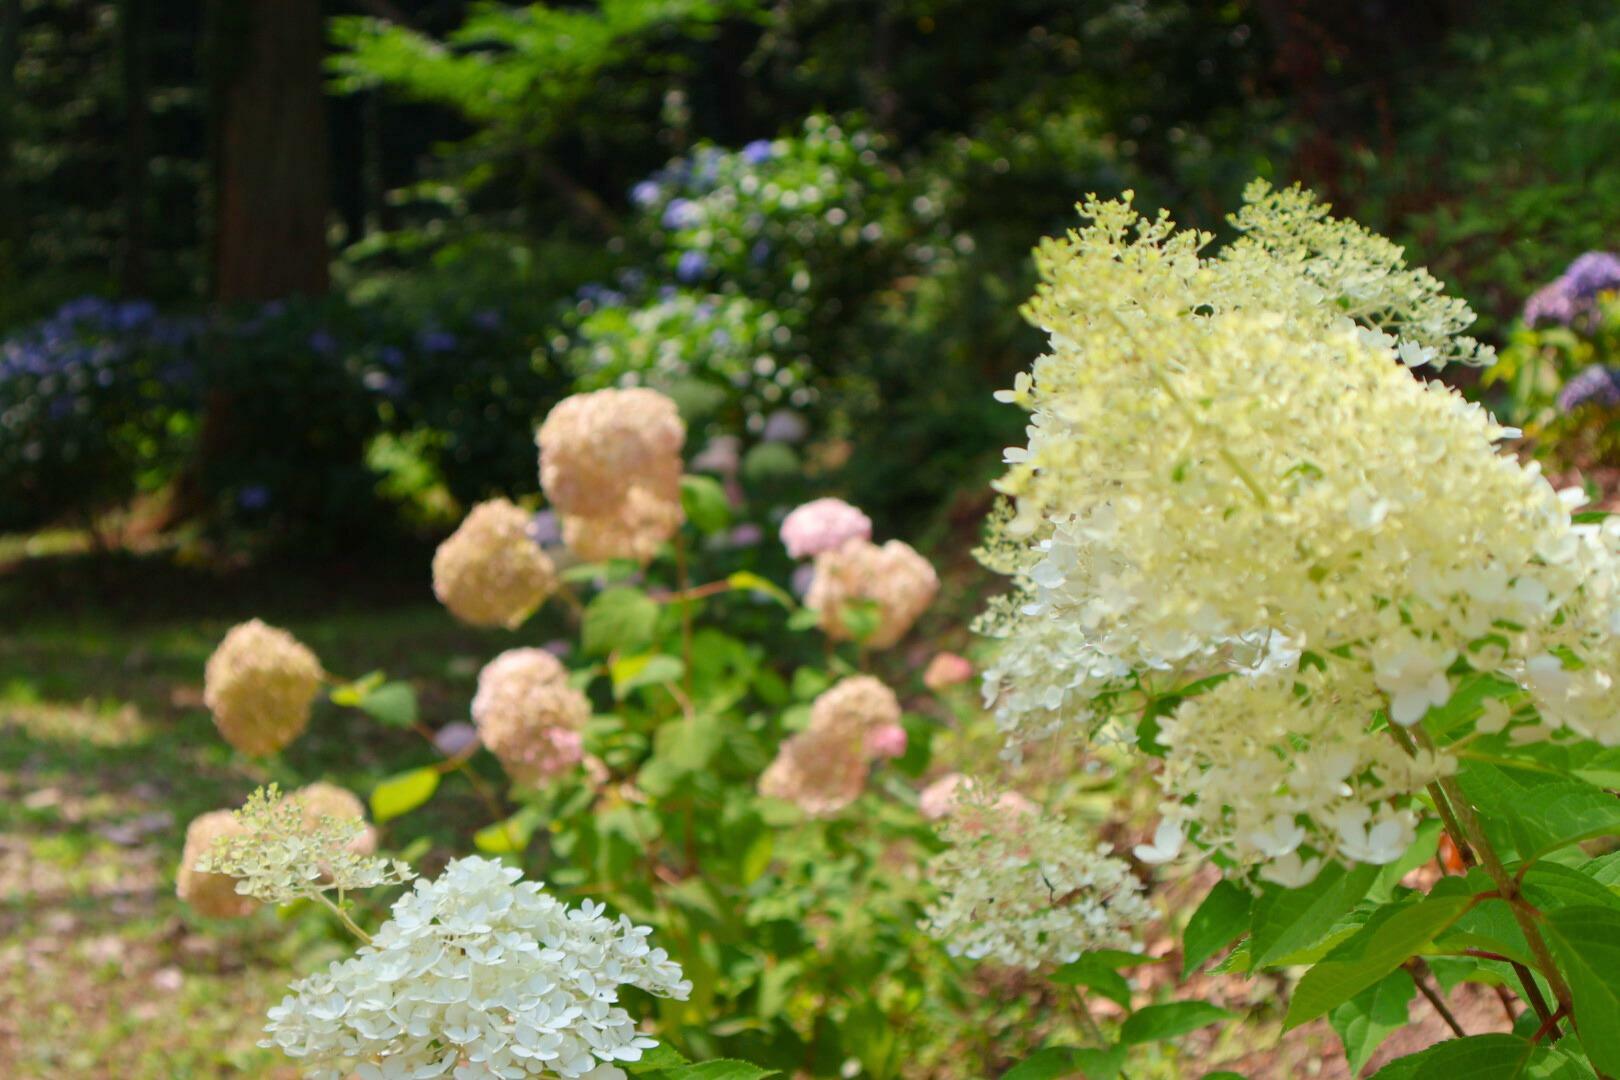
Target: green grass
point(106, 752)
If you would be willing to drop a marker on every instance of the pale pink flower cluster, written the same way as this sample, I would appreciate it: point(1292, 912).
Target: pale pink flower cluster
point(893, 579)
point(610, 462)
point(823, 768)
point(529, 716)
point(210, 894)
point(260, 683)
point(822, 525)
point(947, 669)
point(490, 572)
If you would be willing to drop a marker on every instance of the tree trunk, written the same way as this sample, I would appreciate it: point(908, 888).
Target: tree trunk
point(271, 169)
point(11, 223)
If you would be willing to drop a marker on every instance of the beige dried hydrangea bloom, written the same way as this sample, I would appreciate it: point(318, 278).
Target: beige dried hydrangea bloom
point(489, 572)
point(529, 716)
point(595, 448)
point(895, 579)
point(260, 683)
point(635, 530)
point(209, 894)
point(823, 768)
point(323, 800)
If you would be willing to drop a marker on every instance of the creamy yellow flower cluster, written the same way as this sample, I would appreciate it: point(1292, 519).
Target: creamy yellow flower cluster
point(1229, 464)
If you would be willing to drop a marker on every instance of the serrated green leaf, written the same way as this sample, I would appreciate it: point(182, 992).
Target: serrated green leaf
point(402, 793)
point(1545, 812)
point(1394, 934)
point(1485, 1057)
point(1096, 975)
point(705, 503)
point(1585, 941)
point(392, 703)
point(1287, 920)
point(1366, 1020)
point(1221, 919)
point(1156, 1022)
point(620, 619)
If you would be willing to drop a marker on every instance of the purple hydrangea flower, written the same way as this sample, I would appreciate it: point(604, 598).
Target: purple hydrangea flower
point(691, 266)
point(680, 214)
point(646, 193)
point(544, 528)
point(785, 426)
point(253, 497)
point(488, 320)
point(757, 152)
point(436, 341)
point(1592, 273)
point(1596, 385)
point(322, 343)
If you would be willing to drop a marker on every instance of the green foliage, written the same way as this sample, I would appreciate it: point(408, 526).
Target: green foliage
point(403, 793)
point(1366, 1020)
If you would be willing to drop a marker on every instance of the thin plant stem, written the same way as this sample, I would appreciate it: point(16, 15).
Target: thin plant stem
point(343, 917)
point(1441, 804)
point(1418, 969)
point(683, 584)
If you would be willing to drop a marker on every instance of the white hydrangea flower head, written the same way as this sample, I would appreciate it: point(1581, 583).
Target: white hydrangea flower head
point(490, 572)
point(479, 974)
point(1291, 766)
point(260, 683)
point(634, 529)
point(1028, 891)
point(278, 855)
point(529, 716)
point(822, 525)
point(596, 447)
point(210, 894)
point(898, 582)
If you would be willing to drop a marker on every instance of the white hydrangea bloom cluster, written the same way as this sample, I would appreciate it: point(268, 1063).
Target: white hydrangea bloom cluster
point(1026, 890)
point(610, 462)
point(277, 854)
point(479, 974)
point(896, 581)
point(1268, 769)
point(260, 683)
point(529, 716)
point(489, 572)
point(1228, 466)
point(824, 768)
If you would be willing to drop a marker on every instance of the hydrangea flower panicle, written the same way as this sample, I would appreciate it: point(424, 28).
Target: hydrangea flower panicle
point(529, 716)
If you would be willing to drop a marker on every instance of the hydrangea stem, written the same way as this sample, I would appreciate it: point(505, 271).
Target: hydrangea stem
point(343, 917)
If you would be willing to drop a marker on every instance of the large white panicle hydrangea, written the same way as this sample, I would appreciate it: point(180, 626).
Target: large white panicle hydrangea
point(1230, 465)
point(260, 684)
point(490, 572)
point(1026, 890)
point(479, 974)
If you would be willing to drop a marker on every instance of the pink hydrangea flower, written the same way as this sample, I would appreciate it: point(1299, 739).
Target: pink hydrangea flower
point(886, 741)
point(947, 669)
point(823, 525)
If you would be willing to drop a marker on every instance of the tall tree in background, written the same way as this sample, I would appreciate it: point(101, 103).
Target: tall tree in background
point(271, 169)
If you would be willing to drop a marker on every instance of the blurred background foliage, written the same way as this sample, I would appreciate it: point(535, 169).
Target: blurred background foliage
point(311, 271)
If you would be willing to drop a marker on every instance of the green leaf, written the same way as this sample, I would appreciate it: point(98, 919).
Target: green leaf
point(1157, 1022)
point(770, 461)
point(1485, 1057)
point(705, 503)
point(507, 837)
point(1586, 943)
point(748, 581)
point(861, 618)
point(349, 694)
point(1545, 812)
point(1099, 976)
point(1055, 1062)
point(1221, 919)
point(619, 619)
point(680, 748)
point(1366, 1020)
point(630, 673)
point(402, 793)
point(392, 703)
point(1287, 920)
point(804, 619)
point(1394, 934)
